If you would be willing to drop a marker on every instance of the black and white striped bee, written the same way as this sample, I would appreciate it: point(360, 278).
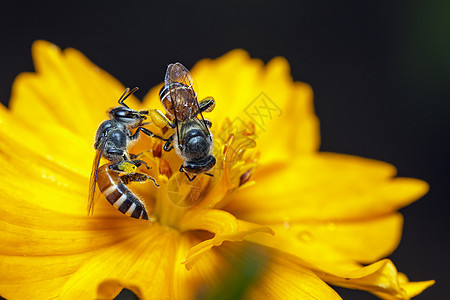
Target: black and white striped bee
point(192, 141)
point(112, 140)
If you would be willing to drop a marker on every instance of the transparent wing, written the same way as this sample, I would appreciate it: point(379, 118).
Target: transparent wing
point(94, 173)
point(181, 93)
point(178, 73)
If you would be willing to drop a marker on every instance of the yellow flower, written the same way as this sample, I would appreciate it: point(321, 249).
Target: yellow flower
point(321, 217)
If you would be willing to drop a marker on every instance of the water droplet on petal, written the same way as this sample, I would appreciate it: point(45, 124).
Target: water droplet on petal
point(286, 223)
point(306, 236)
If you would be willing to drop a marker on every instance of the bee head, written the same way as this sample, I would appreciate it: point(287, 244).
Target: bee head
point(129, 117)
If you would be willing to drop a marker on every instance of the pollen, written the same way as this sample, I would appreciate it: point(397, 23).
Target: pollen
point(127, 167)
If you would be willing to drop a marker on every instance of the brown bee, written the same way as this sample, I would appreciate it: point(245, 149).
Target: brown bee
point(193, 141)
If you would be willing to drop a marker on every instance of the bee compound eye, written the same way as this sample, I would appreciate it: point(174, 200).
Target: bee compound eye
point(124, 114)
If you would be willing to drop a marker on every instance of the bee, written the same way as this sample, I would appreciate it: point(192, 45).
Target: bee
point(112, 140)
point(192, 141)
point(118, 194)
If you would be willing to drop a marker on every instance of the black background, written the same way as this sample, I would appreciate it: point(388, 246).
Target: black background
point(380, 71)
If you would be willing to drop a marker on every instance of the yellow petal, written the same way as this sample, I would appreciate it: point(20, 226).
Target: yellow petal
point(42, 247)
point(224, 226)
point(205, 274)
point(300, 128)
point(411, 289)
point(47, 182)
point(286, 280)
point(24, 232)
point(271, 100)
point(335, 245)
point(96, 256)
point(380, 278)
point(50, 176)
point(37, 277)
point(133, 263)
point(329, 212)
point(327, 187)
point(247, 91)
point(221, 79)
point(66, 90)
point(53, 143)
point(149, 264)
point(278, 276)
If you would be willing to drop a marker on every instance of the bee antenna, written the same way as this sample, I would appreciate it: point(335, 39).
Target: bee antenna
point(127, 94)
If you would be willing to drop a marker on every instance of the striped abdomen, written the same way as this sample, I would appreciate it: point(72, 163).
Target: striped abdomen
point(119, 195)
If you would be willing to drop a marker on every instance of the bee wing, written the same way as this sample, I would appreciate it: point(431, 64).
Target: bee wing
point(179, 96)
point(94, 173)
point(181, 92)
point(178, 73)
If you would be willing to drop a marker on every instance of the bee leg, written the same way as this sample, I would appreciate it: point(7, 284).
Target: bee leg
point(159, 119)
point(143, 112)
point(138, 163)
point(145, 153)
point(147, 132)
point(207, 104)
point(154, 181)
point(209, 174)
point(189, 178)
point(133, 156)
point(124, 166)
point(187, 175)
point(169, 143)
point(208, 123)
point(168, 148)
point(137, 177)
point(116, 166)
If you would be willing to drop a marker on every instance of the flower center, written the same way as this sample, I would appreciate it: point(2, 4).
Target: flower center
point(177, 194)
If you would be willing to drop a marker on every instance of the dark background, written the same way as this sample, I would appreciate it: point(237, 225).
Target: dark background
point(380, 71)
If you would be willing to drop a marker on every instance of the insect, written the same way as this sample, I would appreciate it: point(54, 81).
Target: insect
point(192, 141)
point(118, 194)
point(112, 140)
